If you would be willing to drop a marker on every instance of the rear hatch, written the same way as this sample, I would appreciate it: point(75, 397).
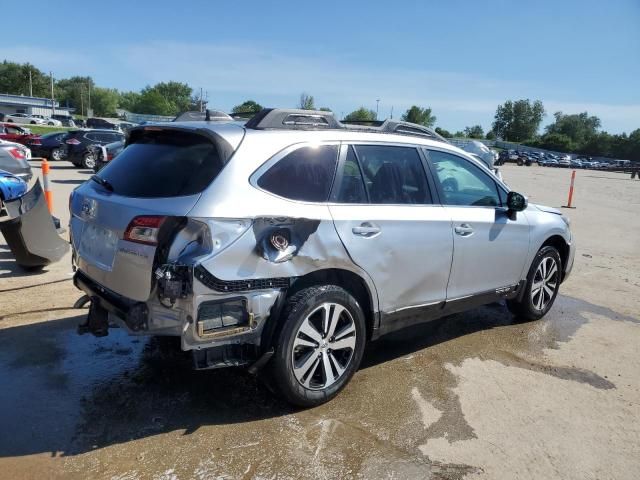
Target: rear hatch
point(123, 219)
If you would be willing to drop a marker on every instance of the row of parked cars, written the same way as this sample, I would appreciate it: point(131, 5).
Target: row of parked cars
point(544, 159)
point(76, 146)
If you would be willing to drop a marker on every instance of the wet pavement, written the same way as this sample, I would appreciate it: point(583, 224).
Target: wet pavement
point(474, 395)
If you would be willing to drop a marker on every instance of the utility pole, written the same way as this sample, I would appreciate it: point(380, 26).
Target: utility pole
point(30, 84)
point(377, 104)
point(201, 108)
point(81, 102)
point(88, 97)
point(391, 112)
point(53, 104)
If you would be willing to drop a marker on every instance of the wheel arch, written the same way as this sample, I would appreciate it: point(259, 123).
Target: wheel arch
point(560, 244)
point(350, 281)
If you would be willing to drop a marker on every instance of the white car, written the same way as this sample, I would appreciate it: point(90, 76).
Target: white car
point(25, 150)
point(486, 155)
point(24, 118)
point(49, 120)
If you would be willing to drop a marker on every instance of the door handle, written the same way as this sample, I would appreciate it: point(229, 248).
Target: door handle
point(366, 229)
point(464, 230)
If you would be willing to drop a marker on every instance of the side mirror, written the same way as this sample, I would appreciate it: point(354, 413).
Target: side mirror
point(516, 202)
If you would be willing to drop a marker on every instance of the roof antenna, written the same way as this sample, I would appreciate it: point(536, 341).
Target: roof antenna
point(207, 115)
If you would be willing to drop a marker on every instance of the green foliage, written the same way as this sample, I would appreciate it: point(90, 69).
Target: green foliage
point(74, 92)
point(491, 135)
point(580, 128)
point(443, 132)
point(361, 114)
point(306, 102)
point(325, 109)
point(474, 132)
point(518, 121)
point(14, 79)
point(129, 101)
point(421, 116)
point(249, 106)
point(104, 101)
point(458, 134)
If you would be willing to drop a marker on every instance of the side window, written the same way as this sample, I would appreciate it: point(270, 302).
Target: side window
point(93, 137)
point(393, 175)
point(462, 183)
point(305, 174)
point(351, 184)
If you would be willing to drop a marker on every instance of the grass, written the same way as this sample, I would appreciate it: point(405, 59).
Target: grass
point(43, 129)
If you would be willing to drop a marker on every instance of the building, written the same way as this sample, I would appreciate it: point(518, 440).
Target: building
point(31, 105)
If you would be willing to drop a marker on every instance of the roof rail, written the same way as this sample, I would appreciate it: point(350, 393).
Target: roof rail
point(294, 119)
point(207, 115)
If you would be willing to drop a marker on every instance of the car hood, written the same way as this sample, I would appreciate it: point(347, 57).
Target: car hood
point(544, 208)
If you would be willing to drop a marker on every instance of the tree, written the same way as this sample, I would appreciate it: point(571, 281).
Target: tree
point(443, 132)
point(325, 109)
point(421, 116)
point(458, 134)
point(104, 101)
point(154, 103)
point(580, 128)
point(14, 79)
point(248, 106)
point(474, 132)
point(518, 121)
point(556, 141)
point(491, 135)
point(75, 93)
point(361, 114)
point(129, 101)
point(306, 102)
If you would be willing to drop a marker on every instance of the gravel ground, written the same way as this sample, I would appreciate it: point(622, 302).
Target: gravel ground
point(472, 396)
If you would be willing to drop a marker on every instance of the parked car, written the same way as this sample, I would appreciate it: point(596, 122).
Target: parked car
point(50, 146)
point(80, 123)
point(101, 123)
point(482, 151)
point(77, 143)
point(549, 162)
point(23, 118)
point(105, 153)
point(564, 161)
point(48, 120)
point(15, 133)
point(126, 126)
point(65, 120)
point(14, 158)
point(575, 163)
point(244, 242)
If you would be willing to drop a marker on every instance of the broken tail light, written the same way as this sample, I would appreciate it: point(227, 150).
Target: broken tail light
point(144, 229)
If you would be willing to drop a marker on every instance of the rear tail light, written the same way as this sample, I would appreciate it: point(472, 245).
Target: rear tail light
point(35, 141)
point(109, 156)
point(144, 229)
point(72, 141)
point(17, 153)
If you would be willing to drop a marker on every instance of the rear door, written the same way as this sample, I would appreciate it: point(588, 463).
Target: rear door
point(383, 210)
point(146, 190)
point(490, 246)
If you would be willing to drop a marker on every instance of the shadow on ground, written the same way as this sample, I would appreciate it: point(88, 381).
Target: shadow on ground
point(63, 394)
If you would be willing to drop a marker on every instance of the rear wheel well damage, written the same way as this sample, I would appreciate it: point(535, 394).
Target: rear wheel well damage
point(561, 245)
point(350, 281)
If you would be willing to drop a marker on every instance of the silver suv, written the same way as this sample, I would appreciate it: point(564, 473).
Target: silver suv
point(289, 242)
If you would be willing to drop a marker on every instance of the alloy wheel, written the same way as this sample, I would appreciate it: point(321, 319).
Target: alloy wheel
point(545, 283)
point(89, 160)
point(56, 154)
point(323, 346)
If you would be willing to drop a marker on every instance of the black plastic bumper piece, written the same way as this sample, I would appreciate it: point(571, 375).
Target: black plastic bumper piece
point(233, 355)
point(135, 314)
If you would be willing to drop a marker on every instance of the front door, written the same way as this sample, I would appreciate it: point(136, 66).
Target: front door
point(383, 212)
point(490, 245)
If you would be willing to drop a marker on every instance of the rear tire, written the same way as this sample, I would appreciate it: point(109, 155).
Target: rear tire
point(56, 154)
point(88, 161)
point(541, 288)
point(305, 370)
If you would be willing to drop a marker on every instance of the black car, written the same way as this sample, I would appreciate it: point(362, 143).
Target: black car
point(101, 123)
point(106, 153)
point(77, 145)
point(50, 146)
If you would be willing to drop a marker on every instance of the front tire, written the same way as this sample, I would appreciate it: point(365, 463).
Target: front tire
point(56, 154)
point(541, 289)
point(319, 346)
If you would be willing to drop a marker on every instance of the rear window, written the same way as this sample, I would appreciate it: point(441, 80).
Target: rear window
point(305, 174)
point(164, 164)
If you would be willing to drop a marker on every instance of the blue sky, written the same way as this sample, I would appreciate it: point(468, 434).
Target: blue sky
point(462, 58)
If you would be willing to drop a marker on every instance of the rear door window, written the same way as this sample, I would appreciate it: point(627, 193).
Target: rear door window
point(306, 174)
point(349, 182)
point(165, 164)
